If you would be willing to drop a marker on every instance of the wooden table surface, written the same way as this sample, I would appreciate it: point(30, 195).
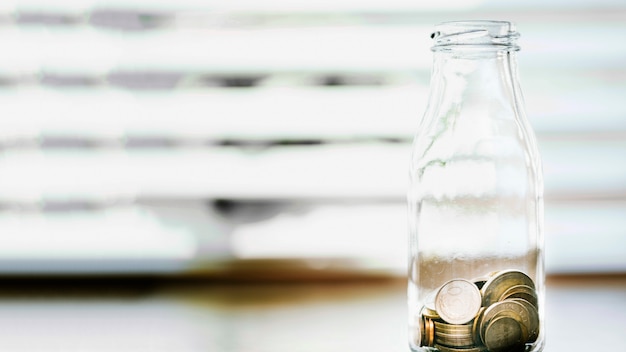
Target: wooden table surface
point(151, 315)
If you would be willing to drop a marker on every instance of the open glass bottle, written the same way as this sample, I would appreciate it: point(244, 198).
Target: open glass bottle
point(476, 268)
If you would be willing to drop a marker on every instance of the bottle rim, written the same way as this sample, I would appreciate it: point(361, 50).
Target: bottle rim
point(475, 35)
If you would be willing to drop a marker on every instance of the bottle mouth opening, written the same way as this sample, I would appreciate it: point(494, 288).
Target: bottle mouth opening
point(475, 35)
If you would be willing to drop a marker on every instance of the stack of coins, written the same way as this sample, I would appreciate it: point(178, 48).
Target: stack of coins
point(496, 313)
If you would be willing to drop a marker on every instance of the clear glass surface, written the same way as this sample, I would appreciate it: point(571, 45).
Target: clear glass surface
point(476, 194)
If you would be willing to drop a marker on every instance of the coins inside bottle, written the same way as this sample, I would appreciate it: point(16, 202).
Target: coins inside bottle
point(458, 301)
point(497, 312)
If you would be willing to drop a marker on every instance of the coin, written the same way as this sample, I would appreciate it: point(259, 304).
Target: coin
point(518, 319)
point(424, 334)
point(494, 313)
point(519, 312)
point(453, 340)
point(502, 281)
point(452, 329)
point(422, 329)
point(504, 334)
point(533, 323)
point(520, 291)
point(476, 326)
point(428, 333)
point(431, 333)
point(430, 313)
point(458, 301)
point(509, 309)
point(453, 349)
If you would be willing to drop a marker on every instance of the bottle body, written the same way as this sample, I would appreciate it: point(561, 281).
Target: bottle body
point(476, 277)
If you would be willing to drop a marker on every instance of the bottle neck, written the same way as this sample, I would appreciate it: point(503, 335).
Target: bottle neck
point(475, 63)
point(472, 76)
point(475, 92)
point(475, 97)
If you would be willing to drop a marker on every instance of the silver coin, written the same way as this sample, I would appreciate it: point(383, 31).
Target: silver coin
point(495, 287)
point(458, 301)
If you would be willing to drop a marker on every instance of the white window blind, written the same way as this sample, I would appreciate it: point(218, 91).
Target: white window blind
point(181, 137)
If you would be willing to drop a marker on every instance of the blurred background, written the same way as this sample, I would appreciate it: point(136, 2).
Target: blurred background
point(270, 140)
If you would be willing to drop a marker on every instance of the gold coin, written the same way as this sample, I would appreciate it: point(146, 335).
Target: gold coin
point(453, 335)
point(427, 312)
point(521, 291)
point(453, 329)
point(500, 282)
point(422, 330)
point(476, 327)
point(454, 340)
point(425, 332)
point(533, 323)
point(458, 301)
point(429, 333)
point(518, 319)
point(506, 309)
point(504, 334)
point(519, 312)
point(453, 349)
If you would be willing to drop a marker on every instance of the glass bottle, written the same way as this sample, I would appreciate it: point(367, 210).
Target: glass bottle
point(475, 201)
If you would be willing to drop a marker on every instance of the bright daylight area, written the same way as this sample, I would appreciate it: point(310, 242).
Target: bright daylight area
point(263, 141)
point(168, 137)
